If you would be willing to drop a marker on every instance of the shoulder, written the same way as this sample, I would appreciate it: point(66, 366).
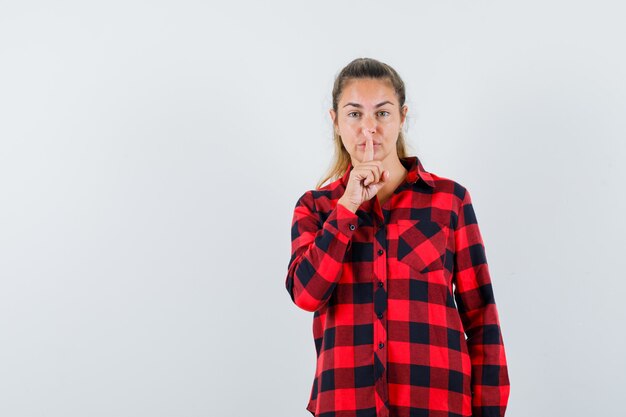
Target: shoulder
point(453, 195)
point(449, 186)
point(322, 196)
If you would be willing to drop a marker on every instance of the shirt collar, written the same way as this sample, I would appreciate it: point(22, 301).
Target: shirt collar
point(411, 163)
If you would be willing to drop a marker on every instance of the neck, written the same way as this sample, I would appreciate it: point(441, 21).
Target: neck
point(398, 173)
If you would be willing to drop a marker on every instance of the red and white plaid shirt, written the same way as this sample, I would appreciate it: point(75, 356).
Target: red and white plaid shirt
point(405, 321)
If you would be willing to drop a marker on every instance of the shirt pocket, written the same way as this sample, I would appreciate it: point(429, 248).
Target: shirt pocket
point(422, 244)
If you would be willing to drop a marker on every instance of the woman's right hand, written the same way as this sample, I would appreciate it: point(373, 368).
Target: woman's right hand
point(366, 179)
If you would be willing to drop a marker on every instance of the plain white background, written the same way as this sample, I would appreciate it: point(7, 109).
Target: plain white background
point(151, 154)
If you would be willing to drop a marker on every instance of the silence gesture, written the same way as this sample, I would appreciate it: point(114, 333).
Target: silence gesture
point(366, 177)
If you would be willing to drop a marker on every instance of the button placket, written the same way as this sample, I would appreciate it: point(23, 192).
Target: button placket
point(380, 307)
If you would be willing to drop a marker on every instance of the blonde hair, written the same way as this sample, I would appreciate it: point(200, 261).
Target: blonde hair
point(362, 68)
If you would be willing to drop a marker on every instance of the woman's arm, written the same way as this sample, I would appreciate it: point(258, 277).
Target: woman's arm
point(477, 308)
point(317, 252)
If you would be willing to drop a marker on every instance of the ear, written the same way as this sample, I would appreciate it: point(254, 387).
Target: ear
point(333, 117)
point(403, 113)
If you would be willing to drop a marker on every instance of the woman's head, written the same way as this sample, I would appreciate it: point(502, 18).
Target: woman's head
point(368, 99)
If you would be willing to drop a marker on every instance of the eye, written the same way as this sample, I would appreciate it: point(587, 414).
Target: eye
point(384, 113)
point(353, 113)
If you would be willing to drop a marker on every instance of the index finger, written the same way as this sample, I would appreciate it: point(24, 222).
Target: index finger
point(368, 154)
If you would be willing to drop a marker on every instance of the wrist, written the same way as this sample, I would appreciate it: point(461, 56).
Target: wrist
point(347, 205)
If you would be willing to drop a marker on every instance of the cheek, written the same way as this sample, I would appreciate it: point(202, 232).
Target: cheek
point(349, 123)
point(348, 143)
point(348, 133)
point(391, 131)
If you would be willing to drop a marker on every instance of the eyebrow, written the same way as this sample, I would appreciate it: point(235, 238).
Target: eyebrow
point(378, 105)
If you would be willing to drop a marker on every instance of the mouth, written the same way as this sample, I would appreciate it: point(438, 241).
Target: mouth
point(362, 145)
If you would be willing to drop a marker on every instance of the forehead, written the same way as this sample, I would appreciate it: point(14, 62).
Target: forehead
point(368, 91)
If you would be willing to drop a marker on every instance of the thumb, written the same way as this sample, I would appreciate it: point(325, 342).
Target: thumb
point(381, 182)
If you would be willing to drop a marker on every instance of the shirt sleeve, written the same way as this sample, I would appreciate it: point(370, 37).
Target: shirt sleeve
point(477, 308)
point(317, 252)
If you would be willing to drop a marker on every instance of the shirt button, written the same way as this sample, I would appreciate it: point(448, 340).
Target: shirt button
point(352, 227)
point(380, 283)
point(380, 251)
point(380, 345)
point(380, 315)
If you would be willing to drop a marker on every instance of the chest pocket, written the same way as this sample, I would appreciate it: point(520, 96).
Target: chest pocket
point(422, 244)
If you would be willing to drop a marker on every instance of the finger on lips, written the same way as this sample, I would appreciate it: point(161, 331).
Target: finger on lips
point(369, 147)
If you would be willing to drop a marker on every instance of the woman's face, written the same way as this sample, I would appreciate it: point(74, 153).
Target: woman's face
point(369, 105)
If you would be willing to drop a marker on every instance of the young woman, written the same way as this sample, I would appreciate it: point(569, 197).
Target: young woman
point(390, 260)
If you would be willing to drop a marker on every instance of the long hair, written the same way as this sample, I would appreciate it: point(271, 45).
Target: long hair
point(362, 68)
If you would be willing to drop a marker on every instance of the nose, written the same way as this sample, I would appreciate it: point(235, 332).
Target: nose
point(368, 126)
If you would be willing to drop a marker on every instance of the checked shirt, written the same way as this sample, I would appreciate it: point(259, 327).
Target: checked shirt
point(404, 316)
